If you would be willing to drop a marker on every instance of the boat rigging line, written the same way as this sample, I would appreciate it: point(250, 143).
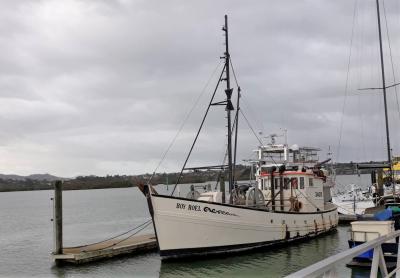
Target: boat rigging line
point(384, 87)
point(236, 119)
point(251, 128)
point(346, 87)
point(255, 134)
point(391, 60)
point(380, 88)
point(198, 132)
point(228, 108)
point(247, 121)
point(184, 123)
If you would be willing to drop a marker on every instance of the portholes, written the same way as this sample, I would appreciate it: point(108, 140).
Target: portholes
point(272, 220)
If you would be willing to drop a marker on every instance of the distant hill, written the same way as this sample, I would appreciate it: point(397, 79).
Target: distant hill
point(45, 177)
point(36, 177)
point(45, 181)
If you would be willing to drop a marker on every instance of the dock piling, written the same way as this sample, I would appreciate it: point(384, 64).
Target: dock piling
point(97, 251)
point(58, 218)
point(222, 187)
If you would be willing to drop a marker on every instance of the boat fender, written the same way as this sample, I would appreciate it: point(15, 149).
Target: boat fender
point(287, 233)
point(296, 205)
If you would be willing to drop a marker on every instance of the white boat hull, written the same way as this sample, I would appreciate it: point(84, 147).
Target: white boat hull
point(187, 227)
point(348, 207)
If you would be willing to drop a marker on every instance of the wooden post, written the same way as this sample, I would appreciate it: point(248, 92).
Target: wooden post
point(373, 177)
point(281, 181)
point(222, 187)
point(273, 189)
point(380, 183)
point(58, 222)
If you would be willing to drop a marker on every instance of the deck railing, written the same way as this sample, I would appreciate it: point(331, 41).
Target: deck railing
point(326, 267)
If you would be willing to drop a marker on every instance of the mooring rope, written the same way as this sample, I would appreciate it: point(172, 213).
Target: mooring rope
point(145, 224)
point(122, 240)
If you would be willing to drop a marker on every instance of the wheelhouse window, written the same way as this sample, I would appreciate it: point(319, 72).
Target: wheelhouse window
point(294, 183)
point(310, 182)
point(286, 183)
point(301, 182)
point(277, 183)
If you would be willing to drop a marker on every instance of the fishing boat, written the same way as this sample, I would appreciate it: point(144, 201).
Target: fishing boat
point(289, 201)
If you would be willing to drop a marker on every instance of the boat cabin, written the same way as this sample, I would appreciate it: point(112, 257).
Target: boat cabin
point(291, 179)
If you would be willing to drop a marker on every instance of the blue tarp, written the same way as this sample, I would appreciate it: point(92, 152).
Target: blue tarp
point(384, 215)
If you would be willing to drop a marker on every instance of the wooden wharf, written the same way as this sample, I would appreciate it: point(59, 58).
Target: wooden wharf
point(108, 249)
point(113, 247)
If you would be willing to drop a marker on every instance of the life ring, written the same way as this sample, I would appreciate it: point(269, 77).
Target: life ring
point(295, 205)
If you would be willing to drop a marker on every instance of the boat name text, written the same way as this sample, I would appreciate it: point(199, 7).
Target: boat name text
point(205, 209)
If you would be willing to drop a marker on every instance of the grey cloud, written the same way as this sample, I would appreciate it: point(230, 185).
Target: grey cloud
point(101, 87)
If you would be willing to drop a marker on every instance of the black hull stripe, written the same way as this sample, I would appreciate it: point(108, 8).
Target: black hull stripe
point(240, 207)
point(216, 250)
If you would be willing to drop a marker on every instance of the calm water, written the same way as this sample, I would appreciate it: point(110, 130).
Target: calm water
point(26, 240)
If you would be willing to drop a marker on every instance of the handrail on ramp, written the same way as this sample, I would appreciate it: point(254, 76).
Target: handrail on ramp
point(325, 267)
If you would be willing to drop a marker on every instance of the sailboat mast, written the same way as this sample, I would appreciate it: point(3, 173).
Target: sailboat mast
point(229, 106)
point(384, 94)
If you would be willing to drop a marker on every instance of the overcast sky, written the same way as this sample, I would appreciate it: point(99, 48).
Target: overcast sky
point(102, 87)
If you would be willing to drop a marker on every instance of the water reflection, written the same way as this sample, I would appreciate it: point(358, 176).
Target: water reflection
point(268, 263)
point(93, 215)
point(360, 273)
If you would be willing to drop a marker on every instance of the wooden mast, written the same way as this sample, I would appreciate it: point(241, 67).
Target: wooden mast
point(229, 106)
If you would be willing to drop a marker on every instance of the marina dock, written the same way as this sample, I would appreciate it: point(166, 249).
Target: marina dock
point(107, 249)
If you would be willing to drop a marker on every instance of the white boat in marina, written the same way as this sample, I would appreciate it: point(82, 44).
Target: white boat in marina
point(290, 200)
point(353, 201)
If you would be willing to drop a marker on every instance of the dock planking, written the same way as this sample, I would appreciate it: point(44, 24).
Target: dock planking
point(111, 248)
